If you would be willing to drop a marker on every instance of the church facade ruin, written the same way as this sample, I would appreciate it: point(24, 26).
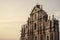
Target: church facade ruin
point(40, 26)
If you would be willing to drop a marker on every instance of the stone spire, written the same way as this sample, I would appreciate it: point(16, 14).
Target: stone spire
point(52, 17)
point(49, 17)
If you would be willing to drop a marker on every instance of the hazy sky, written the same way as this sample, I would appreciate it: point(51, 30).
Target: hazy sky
point(14, 13)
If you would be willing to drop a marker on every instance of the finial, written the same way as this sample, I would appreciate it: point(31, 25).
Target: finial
point(52, 17)
point(49, 17)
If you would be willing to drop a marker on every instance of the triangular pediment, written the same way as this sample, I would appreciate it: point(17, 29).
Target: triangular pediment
point(36, 8)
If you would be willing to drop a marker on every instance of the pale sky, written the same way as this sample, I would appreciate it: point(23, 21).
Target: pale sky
point(14, 13)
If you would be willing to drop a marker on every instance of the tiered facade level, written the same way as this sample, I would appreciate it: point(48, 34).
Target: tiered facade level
point(40, 26)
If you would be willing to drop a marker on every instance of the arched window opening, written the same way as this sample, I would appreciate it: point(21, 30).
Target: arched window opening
point(47, 37)
point(35, 38)
point(35, 26)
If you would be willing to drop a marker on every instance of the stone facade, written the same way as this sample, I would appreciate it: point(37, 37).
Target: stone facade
point(40, 26)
